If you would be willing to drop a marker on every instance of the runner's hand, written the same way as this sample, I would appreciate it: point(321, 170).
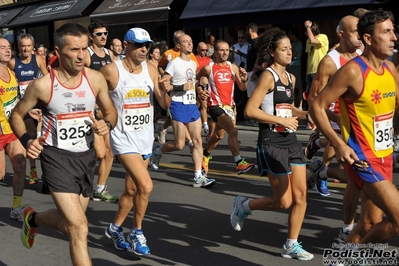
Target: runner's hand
point(99, 126)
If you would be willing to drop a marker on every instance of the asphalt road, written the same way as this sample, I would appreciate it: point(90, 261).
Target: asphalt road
point(184, 225)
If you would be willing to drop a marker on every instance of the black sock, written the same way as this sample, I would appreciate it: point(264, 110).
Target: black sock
point(31, 220)
point(206, 153)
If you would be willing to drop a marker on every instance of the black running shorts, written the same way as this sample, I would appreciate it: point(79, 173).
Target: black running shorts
point(278, 161)
point(69, 172)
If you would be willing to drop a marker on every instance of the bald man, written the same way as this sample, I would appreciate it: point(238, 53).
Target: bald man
point(349, 45)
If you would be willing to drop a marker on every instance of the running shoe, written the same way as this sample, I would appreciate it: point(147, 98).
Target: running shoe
point(237, 218)
point(205, 163)
point(104, 196)
point(244, 167)
point(138, 242)
point(203, 181)
point(311, 148)
point(118, 238)
point(321, 187)
point(296, 252)
point(17, 213)
point(155, 158)
point(206, 129)
point(33, 179)
point(161, 134)
point(28, 232)
point(343, 235)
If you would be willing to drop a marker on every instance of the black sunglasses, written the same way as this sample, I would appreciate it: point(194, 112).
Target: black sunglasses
point(141, 44)
point(204, 50)
point(99, 33)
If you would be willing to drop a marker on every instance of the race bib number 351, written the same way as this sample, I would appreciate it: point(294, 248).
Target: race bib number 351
point(383, 132)
point(74, 130)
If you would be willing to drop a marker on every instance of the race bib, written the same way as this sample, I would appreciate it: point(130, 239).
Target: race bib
point(383, 132)
point(229, 110)
point(9, 107)
point(190, 97)
point(283, 110)
point(74, 130)
point(136, 116)
point(22, 87)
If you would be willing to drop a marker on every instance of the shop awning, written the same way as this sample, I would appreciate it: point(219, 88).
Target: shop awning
point(51, 11)
point(113, 12)
point(6, 15)
point(210, 13)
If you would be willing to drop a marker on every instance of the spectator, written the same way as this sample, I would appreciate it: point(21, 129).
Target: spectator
point(211, 50)
point(316, 48)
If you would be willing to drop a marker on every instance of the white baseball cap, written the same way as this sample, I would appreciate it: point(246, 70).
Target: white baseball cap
point(137, 35)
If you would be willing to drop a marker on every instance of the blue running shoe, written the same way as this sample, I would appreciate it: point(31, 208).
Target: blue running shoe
point(138, 242)
point(296, 252)
point(239, 214)
point(118, 238)
point(321, 187)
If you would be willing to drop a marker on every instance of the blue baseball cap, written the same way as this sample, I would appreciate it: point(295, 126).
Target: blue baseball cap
point(138, 35)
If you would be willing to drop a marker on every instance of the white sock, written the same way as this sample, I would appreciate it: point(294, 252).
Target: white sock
point(245, 205)
point(348, 227)
point(289, 242)
point(205, 124)
point(237, 158)
point(99, 188)
point(190, 143)
point(197, 173)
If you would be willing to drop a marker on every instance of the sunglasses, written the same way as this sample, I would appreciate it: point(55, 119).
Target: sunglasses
point(99, 33)
point(139, 45)
point(204, 50)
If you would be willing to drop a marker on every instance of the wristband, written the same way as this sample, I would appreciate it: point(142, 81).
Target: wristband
point(109, 125)
point(24, 139)
point(243, 81)
point(178, 87)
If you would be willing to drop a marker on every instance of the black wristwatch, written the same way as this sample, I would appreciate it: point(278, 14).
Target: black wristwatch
point(109, 125)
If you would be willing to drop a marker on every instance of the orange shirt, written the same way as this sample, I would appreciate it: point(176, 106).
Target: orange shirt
point(202, 61)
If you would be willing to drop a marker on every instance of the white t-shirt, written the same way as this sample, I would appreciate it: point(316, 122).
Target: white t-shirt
point(182, 72)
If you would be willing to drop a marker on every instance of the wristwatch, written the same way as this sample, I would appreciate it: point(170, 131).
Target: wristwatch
point(108, 124)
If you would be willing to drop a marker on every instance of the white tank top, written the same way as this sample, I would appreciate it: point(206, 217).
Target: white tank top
point(133, 101)
point(66, 121)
